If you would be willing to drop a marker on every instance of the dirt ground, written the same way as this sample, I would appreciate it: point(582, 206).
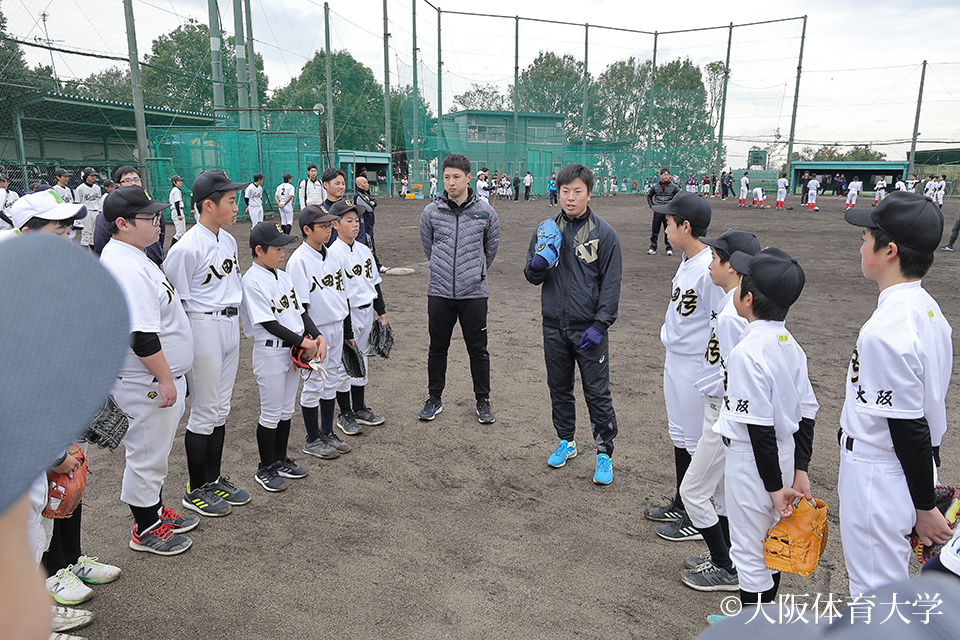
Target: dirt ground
point(451, 529)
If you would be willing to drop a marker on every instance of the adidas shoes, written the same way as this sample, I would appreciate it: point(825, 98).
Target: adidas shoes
point(348, 424)
point(180, 524)
point(679, 530)
point(564, 451)
point(160, 539)
point(228, 492)
point(205, 502)
point(709, 577)
point(334, 441)
point(667, 513)
point(269, 478)
point(367, 417)
point(320, 448)
point(287, 468)
point(692, 562)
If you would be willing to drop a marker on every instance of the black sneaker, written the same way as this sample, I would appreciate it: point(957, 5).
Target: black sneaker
point(287, 468)
point(230, 493)
point(367, 417)
point(431, 407)
point(269, 478)
point(947, 247)
point(320, 448)
point(667, 513)
point(679, 530)
point(205, 502)
point(160, 539)
point(334, 441)
point(348, 424)
point(485, 411)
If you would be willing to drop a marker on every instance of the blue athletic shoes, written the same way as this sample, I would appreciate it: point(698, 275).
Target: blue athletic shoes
point(564, 451)
point(604, 473)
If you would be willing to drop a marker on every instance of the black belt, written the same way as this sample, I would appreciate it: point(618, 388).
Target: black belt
point(725, 440)
point(849, 444)
point(228, 312)
point(277, 343)
point(365, 306)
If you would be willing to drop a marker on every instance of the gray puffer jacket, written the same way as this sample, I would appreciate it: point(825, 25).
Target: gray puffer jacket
point(461, 242)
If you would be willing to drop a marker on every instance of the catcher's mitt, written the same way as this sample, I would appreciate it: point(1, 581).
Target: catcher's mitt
point(63, 492)
point(353, 361)
point(948, 501)
point(108, 427)
point(795, 544)
point(548, 242)
point(381, 338)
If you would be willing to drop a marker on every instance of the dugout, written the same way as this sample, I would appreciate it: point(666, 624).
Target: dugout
point(376, 163)
point(868, 172)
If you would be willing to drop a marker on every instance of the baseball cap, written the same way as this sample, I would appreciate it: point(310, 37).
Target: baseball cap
point(775, 272)
point(88, 171)
point(911, 219)
point(341, 207)
point(269, 234)
point(61, 172)
point(127, 202)
point(287, 176)
point(41, 414)
point(47, 205)
point(4, 178)
point(734, 240)
point(212, 181)
point(314, 213)
point(175, 178)
point(687, 206)
point(109, 183)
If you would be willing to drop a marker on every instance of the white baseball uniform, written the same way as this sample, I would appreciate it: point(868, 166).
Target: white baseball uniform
point(254, 193)
point(941, 190)
point(154, 307)
point(900, 186)
point(311, 192)
point(361, 276)
point(852, 192)
point(880, 190)
point(812, 187)
point(758, 196)
point(67, 196)
point(767, 386)
point(482, 190)
point(284, 194)
point(318, 278)
point(685, 333)
point(912, 186)
point(433, 187)
point(177, 213)
point(270, 295)
point(704, 477)
point(89, 196)
point(782, 184)
point(900, 369)
point(203, 267)
point(6, 203)
point(930, 189)
point(744, 188)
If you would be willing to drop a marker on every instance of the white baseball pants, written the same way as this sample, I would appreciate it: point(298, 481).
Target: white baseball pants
point(683, 400)
point(315, 388)
point(704, 477)
point(216, 354)
point(277, 379)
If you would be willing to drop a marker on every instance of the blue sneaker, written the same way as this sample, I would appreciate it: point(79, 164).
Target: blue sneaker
point(564, 451)
point(714, 619)
point(604, 473)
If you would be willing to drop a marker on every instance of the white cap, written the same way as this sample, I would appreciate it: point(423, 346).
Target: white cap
point(47, 205)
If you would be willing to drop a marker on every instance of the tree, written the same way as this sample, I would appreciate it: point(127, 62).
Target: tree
point(481, 97)
point(828, 153)
point(681, 126)
point(112, 84)
point(357, 99)
point(619, 109)
point(715, 73)
point(552, 84)
point(864, 154)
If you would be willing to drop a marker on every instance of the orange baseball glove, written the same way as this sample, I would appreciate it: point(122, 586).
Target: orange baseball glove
point(795, 544)
point(65, 493)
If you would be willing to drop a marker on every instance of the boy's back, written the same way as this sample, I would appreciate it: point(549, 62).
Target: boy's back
point(694, 297)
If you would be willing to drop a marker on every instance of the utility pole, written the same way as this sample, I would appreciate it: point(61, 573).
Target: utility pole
point(412, 175)
point(215, 61)
point(386, 98)
point(330, 134)
point(516, 80)
point(252, 67)
point(723, 104)
point(586, 89)
point(796, 98)
point(137, 92)
point(47, 41)
point(241, 53)
point(916, 121)
point(653, 80)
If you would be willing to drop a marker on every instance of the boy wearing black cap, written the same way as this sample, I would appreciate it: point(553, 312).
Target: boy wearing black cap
point(253, 197)
point(685, 334)
point(704, 478)
point(273, 317)
point(767, 418)
point(203, 267)
point(176, 209)
point(894, 413)
point(89, 195)
point(62, 177)
point(151, 387)
point(318, 276)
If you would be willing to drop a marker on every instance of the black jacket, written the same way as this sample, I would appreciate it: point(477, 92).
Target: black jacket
point(661, 193)
point(583, 290)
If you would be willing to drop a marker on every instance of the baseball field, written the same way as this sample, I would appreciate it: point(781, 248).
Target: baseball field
point(452, 529)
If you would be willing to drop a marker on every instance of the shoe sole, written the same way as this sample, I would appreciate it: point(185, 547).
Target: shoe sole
point(291, 476)
point(140, 547)
point(557, 466)
point(349, 433)
point(263, 484)
point(700, 587)
point(367, 423)
point(198, 509)
point(662, 518)
point(682, 538)
point(184, 529)
point(428, 419)
point(601, 482)
point(71, 602)
point(322, 456)
point(89, 581)
point(236, 503)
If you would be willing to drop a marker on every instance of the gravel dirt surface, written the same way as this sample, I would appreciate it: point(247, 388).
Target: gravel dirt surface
point(452, 529)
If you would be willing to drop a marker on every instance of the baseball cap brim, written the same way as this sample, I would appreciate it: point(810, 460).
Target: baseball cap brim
point(860, 218)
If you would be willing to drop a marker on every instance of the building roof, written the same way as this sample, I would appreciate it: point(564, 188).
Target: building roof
point(522, 114)
point(937, 156)
point(851, 164)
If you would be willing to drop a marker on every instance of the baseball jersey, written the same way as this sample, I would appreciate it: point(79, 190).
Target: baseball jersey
point(813, 185)
point(758, 193)
point(782, 184)
point(745, 183)
point(686, 327)
point(203, 266)
point(900, 186)
point(433, 184)
point(359, 270)
point(941, 185)
point(900, 368)
point(881, 185)
point(856, 186)
point(154, 307)
point(767, 383)
point(482, 190)
point(283, 192)
point(7, 198)
point(930, 188)
point(912, 186)
point(311, 192)
point(268, 295)
point(67, 196)
point(90, 196)
point(254, 194)
point(175, 197)
point(318, 279)
point(727, 328)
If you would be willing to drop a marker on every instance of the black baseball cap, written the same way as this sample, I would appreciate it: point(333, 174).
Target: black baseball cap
point(313, 213)
point(687, 206)
point(911, 219)
point(269, 234)
point(734, 240)
point(212, 181)
point(287, 176)
point(4, 178)
point(88, 171)
point(775, 272)
point(341, 207)
point(127, 202)
point(61, 172)
point(175, 178)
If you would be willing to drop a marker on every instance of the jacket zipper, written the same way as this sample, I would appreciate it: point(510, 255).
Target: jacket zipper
point(456, 244)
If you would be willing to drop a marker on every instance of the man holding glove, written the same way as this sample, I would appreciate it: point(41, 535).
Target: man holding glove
point(576, 257)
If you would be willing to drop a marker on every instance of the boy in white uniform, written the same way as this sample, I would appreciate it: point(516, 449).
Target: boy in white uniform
point(318, 277)
point(812, 188)
point(176, 209)
point(253, 196)
point(767, 419)
point(900, 185)
point(880, 191)
point(273, 317)
point(433, 186)
point(284, 199)
point(203, 267)
point(758, 197)
point(704, 478)
point(63, 177)
point(930, 188)
point(685, 335)
point(852, 192)
point(366, 307)
point(894, 413)
point(912, 183)
point(941, 190)
point(744, 188)
point(89, 195)
point(7, 198)
point(151, 388)
point(782, 184)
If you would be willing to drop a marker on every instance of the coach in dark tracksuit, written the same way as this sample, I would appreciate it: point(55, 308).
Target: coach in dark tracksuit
point(661, 193)
point(579, 302)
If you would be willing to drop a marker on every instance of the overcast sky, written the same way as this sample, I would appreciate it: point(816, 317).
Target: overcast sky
point(861, 61)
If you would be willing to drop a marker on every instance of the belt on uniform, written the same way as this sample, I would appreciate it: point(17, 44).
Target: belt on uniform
point(725, 440)
point(365, 306)
point(277, 343)
point(848, 445)
point(228, 312)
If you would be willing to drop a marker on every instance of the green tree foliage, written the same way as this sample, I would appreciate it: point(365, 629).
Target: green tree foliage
point(714, 73)
point(864, 154)
point(482, 97)
point(828, 153)
point(357, 99)
point(681, 125)
point(619, 107)
point(112, 84)
point(554, 84)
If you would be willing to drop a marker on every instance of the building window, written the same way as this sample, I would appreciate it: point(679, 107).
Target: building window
point(544, 135)
point(486, 133)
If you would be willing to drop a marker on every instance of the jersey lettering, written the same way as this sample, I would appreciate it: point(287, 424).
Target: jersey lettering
point(327, 281)
point(688, 302)
point(860, 393)
point(168, 286)
point(855, 367)
point(884, 398)
point(588, 250)
point(368, 269)
point(675, 295)
point(286, 301)
point(713, 350)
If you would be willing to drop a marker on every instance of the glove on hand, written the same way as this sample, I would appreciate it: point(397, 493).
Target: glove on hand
point(548, 244)
point(591, 338)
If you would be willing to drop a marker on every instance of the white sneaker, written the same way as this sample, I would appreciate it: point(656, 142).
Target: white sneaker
point(63, 636)
point(64, 619)
point(93, 572)
point(66, 588)
point(384, 269)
